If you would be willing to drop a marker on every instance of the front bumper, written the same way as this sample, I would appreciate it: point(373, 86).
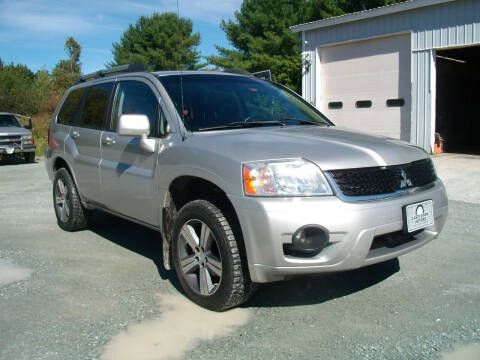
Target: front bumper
point(16, 149)
point(268, 223)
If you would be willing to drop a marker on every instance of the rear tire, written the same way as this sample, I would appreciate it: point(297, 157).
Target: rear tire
point(207, 259)
point(30, 157)
point(71, 215)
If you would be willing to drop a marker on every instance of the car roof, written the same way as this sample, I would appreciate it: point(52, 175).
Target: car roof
point(193, 72)
point(154, 73)
point(9, 113)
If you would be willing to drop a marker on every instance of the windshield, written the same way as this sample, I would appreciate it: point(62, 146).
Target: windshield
point(212, 102)
point(9, 120)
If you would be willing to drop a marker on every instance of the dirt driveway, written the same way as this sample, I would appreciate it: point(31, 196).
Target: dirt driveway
point(102, 293)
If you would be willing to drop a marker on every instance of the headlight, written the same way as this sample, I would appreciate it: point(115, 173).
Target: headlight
point(290, 177)
point(27, 139)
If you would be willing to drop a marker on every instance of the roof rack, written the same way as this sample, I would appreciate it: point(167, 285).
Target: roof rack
point(238, 72)
point(264, 74)
point(135, 67)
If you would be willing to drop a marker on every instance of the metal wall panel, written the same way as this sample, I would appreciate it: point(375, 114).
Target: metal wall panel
point(445, 25)
point(309, 64)
point(421, 99)
point(433, 27)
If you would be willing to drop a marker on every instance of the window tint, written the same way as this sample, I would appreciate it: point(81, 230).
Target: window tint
point(335, 105)
point(213, 100)
point(9, 120)
point(69, 107)
point(163, 128)
point(363, 104)
point(395, 102)
point(96, 105)
point(134, 97)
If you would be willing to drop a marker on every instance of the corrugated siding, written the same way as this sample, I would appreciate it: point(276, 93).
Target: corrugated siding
point(421, 99)
point(309, 76)
point(445, 25)
point(433, 27)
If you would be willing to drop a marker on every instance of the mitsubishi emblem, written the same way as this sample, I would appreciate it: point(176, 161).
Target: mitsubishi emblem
point(405, 182)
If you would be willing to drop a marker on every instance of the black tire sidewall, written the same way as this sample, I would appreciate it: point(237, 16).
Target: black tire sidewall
point(30, 157)
point(67, 179)
point(198, 210)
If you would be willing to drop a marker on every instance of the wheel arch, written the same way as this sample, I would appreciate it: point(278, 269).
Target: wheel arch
point(58, 163)
point(186, 188)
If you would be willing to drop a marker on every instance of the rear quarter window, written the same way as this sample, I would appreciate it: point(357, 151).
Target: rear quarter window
point(69, 107)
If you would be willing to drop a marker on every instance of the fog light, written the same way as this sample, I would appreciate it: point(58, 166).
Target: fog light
point(307, 241)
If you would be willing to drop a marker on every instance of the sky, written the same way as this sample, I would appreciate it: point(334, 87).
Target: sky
point(33, 32)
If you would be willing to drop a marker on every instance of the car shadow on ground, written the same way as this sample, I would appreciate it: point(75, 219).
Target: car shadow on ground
point(315, 289)
point(15, 161)
point(134, 237)
point(304, 290)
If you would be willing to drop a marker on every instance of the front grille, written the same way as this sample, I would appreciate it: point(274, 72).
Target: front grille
point(392, 240)
point(384, 179)
point(10, 139)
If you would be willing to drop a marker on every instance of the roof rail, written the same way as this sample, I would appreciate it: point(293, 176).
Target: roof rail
point(264, 74)
point(238, 72)
point(135, 67)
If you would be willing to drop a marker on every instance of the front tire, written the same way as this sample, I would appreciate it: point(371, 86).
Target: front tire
point(71, 216)
point(207, 259)
point(30, 157)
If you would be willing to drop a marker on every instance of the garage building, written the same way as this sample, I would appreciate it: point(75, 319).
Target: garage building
point(408, 71)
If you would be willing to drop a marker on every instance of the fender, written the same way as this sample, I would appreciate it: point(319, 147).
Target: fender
point(169, 211)
point(69, 168)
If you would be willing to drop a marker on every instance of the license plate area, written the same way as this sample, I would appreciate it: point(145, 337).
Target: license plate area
point(418, 215)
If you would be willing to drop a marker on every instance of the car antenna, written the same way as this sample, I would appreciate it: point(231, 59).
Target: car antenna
point(181, 80)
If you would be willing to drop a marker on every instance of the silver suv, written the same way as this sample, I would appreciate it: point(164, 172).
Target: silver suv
point(245, 182)
point(15, 139)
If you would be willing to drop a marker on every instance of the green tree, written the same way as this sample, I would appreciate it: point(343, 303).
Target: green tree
point(349, 6)
point(262, 39)
point(161, 42)
point(74, 50)
point(16, 89)
point(66, 71)
point(46, 96)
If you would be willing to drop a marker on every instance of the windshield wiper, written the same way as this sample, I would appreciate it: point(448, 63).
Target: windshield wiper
point(238, 124)
point(304, 122)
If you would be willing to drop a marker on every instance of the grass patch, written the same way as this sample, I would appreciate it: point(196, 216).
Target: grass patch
point(41, 122)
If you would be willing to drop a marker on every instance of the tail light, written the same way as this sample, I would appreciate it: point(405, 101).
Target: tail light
point(52, 143)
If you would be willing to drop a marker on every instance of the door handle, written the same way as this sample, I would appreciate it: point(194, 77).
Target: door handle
point(75, 134)
point(108, 141)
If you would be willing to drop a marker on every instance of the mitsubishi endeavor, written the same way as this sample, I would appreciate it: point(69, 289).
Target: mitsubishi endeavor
point(244, 181)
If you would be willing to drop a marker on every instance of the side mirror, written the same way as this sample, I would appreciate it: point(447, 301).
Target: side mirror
point(29, 125)
point(136, 126)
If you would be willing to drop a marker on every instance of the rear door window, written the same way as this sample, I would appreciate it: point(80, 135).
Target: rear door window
point(96, 106)
point(135, 97)
point(70, 106)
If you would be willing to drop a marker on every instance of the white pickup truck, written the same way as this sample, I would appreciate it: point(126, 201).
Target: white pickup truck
point(15, 139)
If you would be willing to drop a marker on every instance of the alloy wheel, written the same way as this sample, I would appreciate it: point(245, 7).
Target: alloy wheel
point(200, 258)
point(62, 204)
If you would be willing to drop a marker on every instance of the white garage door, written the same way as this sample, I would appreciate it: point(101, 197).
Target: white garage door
point(365, 85)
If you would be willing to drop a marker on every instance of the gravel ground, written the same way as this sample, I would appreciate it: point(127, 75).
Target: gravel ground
point(102, 293)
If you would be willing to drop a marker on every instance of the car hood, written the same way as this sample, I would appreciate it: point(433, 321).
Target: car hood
point(330, 147)
point(8, 130)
